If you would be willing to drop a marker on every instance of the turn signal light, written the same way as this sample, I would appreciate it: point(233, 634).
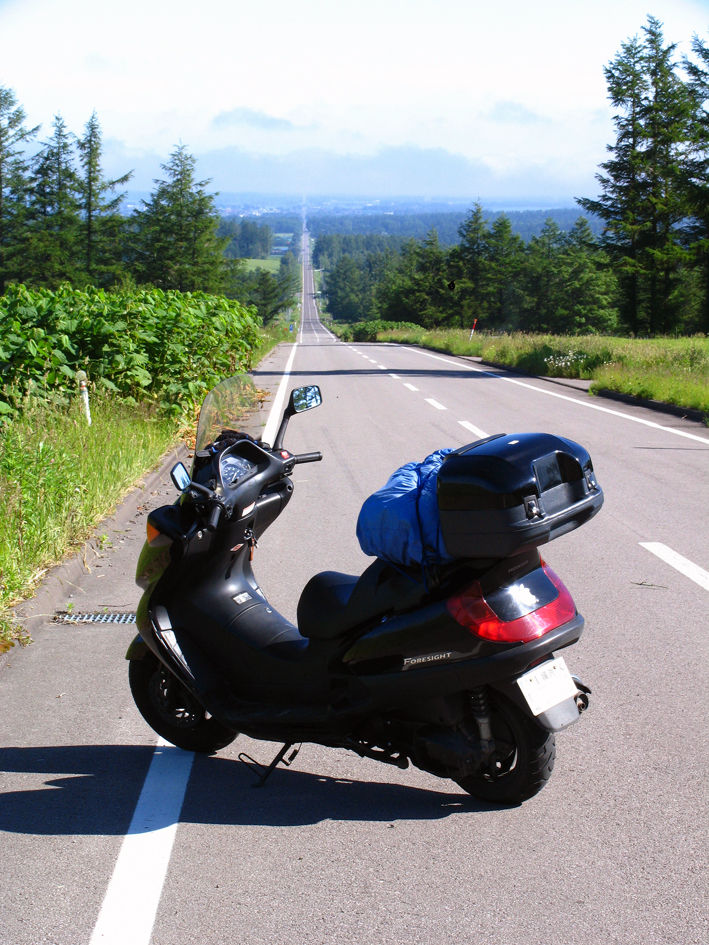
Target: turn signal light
point(472, 611)
point(156, 538)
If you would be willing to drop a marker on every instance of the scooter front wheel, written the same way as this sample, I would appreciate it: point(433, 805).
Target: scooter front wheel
point(523, 759)
point(172, 711)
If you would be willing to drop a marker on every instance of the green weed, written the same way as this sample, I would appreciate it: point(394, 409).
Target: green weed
point(58, 478)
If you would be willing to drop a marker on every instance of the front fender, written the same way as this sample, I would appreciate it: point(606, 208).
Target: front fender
point(138, 648)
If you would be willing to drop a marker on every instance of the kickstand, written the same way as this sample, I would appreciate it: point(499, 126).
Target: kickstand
point(263, 772)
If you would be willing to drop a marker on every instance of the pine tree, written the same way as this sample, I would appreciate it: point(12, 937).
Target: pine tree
point(176, 240)
point(506, 259)
point(643, 202)
point(470, 266)
point(101, 223)
point(696, 174)
point(620, 204)
point(13, 184)
point(53, 221)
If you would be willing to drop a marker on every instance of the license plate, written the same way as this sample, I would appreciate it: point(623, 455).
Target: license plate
point(547, 685)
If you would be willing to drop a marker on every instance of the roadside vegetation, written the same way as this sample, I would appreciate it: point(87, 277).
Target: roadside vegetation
point(149, 355)
point(59, 477)
point(152, 306)
point(621, 299)
point(671, 370)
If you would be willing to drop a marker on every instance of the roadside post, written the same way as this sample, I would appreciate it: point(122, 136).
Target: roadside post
point(84, 391)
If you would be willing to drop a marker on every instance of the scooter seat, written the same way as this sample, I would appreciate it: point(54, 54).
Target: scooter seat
point(332, 603)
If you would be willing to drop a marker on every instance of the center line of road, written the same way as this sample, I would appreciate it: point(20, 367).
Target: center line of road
point(410, 386)
point(131, 901)
point(471, 428)
point(677, 561)
point(551, 393)
point(434, 403)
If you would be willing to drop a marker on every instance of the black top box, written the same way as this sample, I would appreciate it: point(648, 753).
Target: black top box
point(514, 491)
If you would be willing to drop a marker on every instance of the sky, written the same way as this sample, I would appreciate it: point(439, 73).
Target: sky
point(470, 99)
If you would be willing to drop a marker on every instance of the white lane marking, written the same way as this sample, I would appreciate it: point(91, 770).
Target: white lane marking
point(471, 428)
point(410, 386)
point(572, 400)
point(131, 901)
point(395, 376)
point(271, 428)
point(680, 563)
point(434, 403)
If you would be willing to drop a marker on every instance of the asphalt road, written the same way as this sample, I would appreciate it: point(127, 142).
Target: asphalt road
point(338, 849)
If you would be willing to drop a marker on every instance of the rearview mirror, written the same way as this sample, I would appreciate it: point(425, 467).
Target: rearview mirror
point(305, 398)
point(180, 477)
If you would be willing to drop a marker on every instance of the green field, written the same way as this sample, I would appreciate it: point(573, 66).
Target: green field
point(272, 264)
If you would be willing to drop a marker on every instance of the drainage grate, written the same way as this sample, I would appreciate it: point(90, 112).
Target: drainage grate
point(94, 618)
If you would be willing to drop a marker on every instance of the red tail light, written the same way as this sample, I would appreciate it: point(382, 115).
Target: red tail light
point(471, 610)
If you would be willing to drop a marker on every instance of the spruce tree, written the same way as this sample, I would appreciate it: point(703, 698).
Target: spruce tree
point(99, 204)
point(620, 204)
point(53, 223)
point(696, 175)
point(644, 195)
point(176, 241)
point(506, 259)
point(13, 185)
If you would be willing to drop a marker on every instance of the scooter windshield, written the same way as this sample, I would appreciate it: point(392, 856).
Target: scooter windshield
point(223, 408)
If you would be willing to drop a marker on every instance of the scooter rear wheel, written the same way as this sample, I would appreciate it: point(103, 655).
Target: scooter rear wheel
point(173, 712)
point(523, 760)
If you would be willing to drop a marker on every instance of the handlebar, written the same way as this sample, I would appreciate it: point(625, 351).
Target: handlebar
point(308, 457)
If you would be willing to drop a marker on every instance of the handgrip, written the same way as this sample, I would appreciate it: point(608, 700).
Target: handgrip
point(308, 457)
point(214, 517)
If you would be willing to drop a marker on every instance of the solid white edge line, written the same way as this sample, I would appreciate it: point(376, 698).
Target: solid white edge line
point(131, 901)
point(573, 400)
point(471, 428)
point(271, 428)
point(678, 562)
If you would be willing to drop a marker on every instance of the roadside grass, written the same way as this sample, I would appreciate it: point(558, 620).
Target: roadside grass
point(670, 370)
point(58, 478)
point(275, 332)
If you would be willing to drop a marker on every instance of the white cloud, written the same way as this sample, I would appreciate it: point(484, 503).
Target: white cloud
point(500, 84)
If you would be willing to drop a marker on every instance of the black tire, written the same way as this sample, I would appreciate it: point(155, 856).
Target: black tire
point(523, 761)
point(173, 712)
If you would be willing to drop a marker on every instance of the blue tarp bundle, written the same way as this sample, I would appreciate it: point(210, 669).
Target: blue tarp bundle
point(400, 521)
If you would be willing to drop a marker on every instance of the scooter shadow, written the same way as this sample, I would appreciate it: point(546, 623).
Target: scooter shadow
point(228, 792)
point(93, 789)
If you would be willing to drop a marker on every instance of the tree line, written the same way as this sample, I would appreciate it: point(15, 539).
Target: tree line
point(558, 281)
point(406, 224)
point(646, 273)
point(61, 221)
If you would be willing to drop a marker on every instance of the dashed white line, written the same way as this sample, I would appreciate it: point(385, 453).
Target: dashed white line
point(410, 386)
point(471, 428)
point(574, 400)
point(434, 403)
point(678, 562)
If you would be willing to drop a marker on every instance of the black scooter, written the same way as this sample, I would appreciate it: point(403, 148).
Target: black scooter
point(451, 668)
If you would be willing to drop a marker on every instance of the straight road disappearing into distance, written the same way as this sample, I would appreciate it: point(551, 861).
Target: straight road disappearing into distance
point(338, 849)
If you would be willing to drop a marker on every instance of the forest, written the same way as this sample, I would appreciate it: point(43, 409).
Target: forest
point(646, 273)
point(61, 221)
